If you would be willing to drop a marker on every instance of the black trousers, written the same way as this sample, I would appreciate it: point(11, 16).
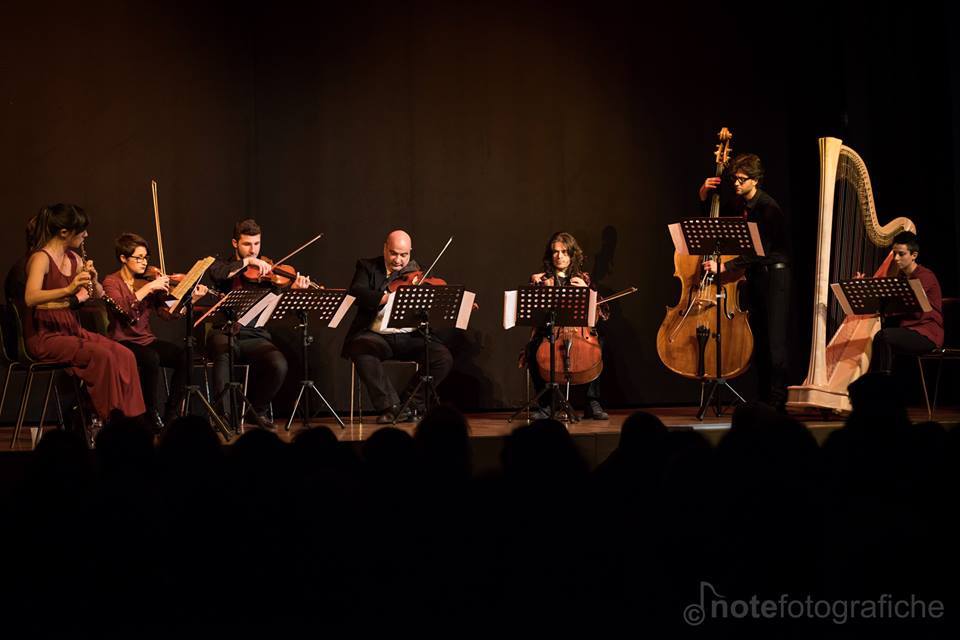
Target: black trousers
point(893, 340)
point(768, 291)
point(368, 350)
point(150, 358)
point(593, 388)
point(268, 365)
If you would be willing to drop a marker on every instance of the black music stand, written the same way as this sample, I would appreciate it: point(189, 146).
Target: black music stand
point(328, 305)
point(191, 390)
point(713, 238)
point(549, 308)
point(420, 307)
point(883, 296)
point(235, 305)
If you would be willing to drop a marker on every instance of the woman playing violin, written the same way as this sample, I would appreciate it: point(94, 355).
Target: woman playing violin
point(136, 299)
point(55, 273)
point(562, 265)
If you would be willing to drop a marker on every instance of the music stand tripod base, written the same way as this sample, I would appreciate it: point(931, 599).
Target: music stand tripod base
point(550, 308)
point(330, 305)
point(417, 307)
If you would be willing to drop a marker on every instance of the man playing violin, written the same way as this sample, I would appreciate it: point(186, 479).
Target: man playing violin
point(563, 265)
point(136, 300)
point(254, 346)
point(369, 343)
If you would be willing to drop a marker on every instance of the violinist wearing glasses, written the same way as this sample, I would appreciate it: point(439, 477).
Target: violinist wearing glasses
point(134, 293)
point(253, 346)
point(368, 343)
point(563, 266)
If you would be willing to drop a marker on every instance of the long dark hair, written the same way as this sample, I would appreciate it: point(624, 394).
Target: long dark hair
point(47, 224)
point(573, 248)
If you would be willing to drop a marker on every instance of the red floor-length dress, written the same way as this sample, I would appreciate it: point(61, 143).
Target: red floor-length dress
point(107, 367)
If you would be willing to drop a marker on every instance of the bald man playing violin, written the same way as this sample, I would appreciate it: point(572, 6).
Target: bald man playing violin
point(253, 346)
point(369, 343)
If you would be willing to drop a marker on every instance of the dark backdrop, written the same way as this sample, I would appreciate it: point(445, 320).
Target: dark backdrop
point(494, 122)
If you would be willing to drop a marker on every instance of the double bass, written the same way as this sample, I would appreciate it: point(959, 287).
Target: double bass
point(687, 327)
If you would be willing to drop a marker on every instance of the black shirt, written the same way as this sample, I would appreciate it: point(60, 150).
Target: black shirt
point(771, 225)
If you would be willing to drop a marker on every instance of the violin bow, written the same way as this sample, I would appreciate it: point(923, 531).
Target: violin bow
point(298, 249)
point(618, 294)
point(434, 263)
point(156, 218)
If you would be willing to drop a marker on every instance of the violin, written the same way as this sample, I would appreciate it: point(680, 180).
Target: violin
point(152, 273)
point(414, 278)
point(281, 275)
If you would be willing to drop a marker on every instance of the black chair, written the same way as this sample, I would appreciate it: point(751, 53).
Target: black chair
point(32, 367)
point(938, 355)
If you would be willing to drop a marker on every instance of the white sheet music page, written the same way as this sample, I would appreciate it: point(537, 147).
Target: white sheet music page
point(509, 309)
point(341, 311)
point(466, 308)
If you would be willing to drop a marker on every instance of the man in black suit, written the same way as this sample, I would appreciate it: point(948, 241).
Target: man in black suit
point(368, 343)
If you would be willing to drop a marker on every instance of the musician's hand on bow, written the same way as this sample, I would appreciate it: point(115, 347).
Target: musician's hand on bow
point(302, 282)
point(537, 278)
point(859, 275)
point(713, 266)
point(577, 281)
point(264, 266)
point(199, 291)
point(160, 283)
point(710, 184)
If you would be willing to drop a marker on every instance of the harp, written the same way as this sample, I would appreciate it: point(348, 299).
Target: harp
point(850, 239)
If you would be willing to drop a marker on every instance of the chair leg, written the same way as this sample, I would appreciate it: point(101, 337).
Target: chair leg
point(246, 379)
point(56, 397)
point(353, 382)
point(936, 387)
point(37, 433)
point(23, 410)
point(78, 390)
point(6, 384)
point(923, 383)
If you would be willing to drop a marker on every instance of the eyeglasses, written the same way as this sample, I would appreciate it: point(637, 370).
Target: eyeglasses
point(142, 259)
point(741, 179)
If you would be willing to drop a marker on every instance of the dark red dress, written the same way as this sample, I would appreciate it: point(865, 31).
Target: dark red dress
point(108, 368)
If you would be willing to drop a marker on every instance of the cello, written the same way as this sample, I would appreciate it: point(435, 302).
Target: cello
point(687, 327)
point(578, 348)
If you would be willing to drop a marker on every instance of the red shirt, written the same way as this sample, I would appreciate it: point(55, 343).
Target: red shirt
point(139, 310)
point(929, 323)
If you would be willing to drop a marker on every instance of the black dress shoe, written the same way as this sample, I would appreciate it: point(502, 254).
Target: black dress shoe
point(393, 414)
point(263, 423)
point(595, 411)
point(386, 416)
point(153, 419)
point(539, 414)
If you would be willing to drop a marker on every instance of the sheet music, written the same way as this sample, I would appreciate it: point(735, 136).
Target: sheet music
point(341, 312)
point(272, 300)
point(466, 308)
point(509, 309)
point(269, 300)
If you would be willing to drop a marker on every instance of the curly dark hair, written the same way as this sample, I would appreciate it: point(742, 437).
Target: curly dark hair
point(749, 164)
point(573, 247)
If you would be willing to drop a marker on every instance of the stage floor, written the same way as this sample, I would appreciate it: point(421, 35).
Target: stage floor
point(495, 426)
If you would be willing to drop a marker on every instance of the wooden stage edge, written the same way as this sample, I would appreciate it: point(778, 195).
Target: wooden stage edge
point(595, 438)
